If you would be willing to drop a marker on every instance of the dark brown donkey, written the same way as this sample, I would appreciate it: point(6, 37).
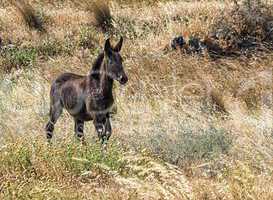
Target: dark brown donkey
point(88, 97)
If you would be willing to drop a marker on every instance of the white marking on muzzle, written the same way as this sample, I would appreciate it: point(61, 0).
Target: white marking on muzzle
point(120, 78)
point(100, 130)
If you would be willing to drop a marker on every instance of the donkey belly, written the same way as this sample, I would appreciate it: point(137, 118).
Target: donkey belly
point(80, 113)
point(84, 116)
point(73, 101)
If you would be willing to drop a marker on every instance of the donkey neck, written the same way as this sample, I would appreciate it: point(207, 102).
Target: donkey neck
point(106, 82)
point(100, 79)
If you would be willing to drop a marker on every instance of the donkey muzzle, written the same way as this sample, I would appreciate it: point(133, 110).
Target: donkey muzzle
point(100, 130)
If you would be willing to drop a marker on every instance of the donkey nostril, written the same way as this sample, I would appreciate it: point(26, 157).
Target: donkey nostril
point(123, 80)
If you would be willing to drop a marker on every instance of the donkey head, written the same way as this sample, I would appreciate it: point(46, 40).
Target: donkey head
point(113, 60)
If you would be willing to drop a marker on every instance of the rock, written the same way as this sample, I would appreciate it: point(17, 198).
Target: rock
point(195, 45)
point(178, 42)
point(212, 46)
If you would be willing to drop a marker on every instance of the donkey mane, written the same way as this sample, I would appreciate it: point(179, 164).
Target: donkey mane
point(95, 70)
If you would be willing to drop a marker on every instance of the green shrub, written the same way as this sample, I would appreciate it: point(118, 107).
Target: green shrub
point(190, 146)
point(79, 159)
point(88, 38)
point(131, 28)
point(51, 47)
point(17, 57)
point(68, 158)
point(125, 27)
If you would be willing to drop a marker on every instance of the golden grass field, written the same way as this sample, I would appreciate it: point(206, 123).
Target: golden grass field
point(187, 126)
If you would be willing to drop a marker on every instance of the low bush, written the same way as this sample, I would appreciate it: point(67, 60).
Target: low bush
point(88, 38)
point(32, 169)
point(186, 146)
point(14, 57)
point(247, 24)
point(67, 158)
point(51, 47)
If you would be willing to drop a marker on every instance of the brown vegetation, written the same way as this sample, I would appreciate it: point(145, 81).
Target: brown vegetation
point(29, 15)
point(246, 25)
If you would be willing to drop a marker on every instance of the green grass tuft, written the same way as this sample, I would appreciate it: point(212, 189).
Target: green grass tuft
point(14, 57)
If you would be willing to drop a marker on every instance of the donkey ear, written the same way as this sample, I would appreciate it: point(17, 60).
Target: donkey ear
point(107, 47)
point(119, 45)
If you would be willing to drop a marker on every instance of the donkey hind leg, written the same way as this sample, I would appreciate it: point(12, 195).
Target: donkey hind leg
point(79, 126)
point(56, 110)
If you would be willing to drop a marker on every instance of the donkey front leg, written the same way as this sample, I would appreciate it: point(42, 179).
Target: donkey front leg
point(79, 126)
point(107, 131)
point(108, 128)
point(107, 134)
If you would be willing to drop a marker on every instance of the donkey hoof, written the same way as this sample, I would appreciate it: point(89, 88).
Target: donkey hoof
point(83, 142)
point(80, 135)
point(81, 138)
point(104, 147)
point(49, 136)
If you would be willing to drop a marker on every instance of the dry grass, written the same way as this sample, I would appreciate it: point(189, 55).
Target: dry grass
point(29, 15)
point(211, 119)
